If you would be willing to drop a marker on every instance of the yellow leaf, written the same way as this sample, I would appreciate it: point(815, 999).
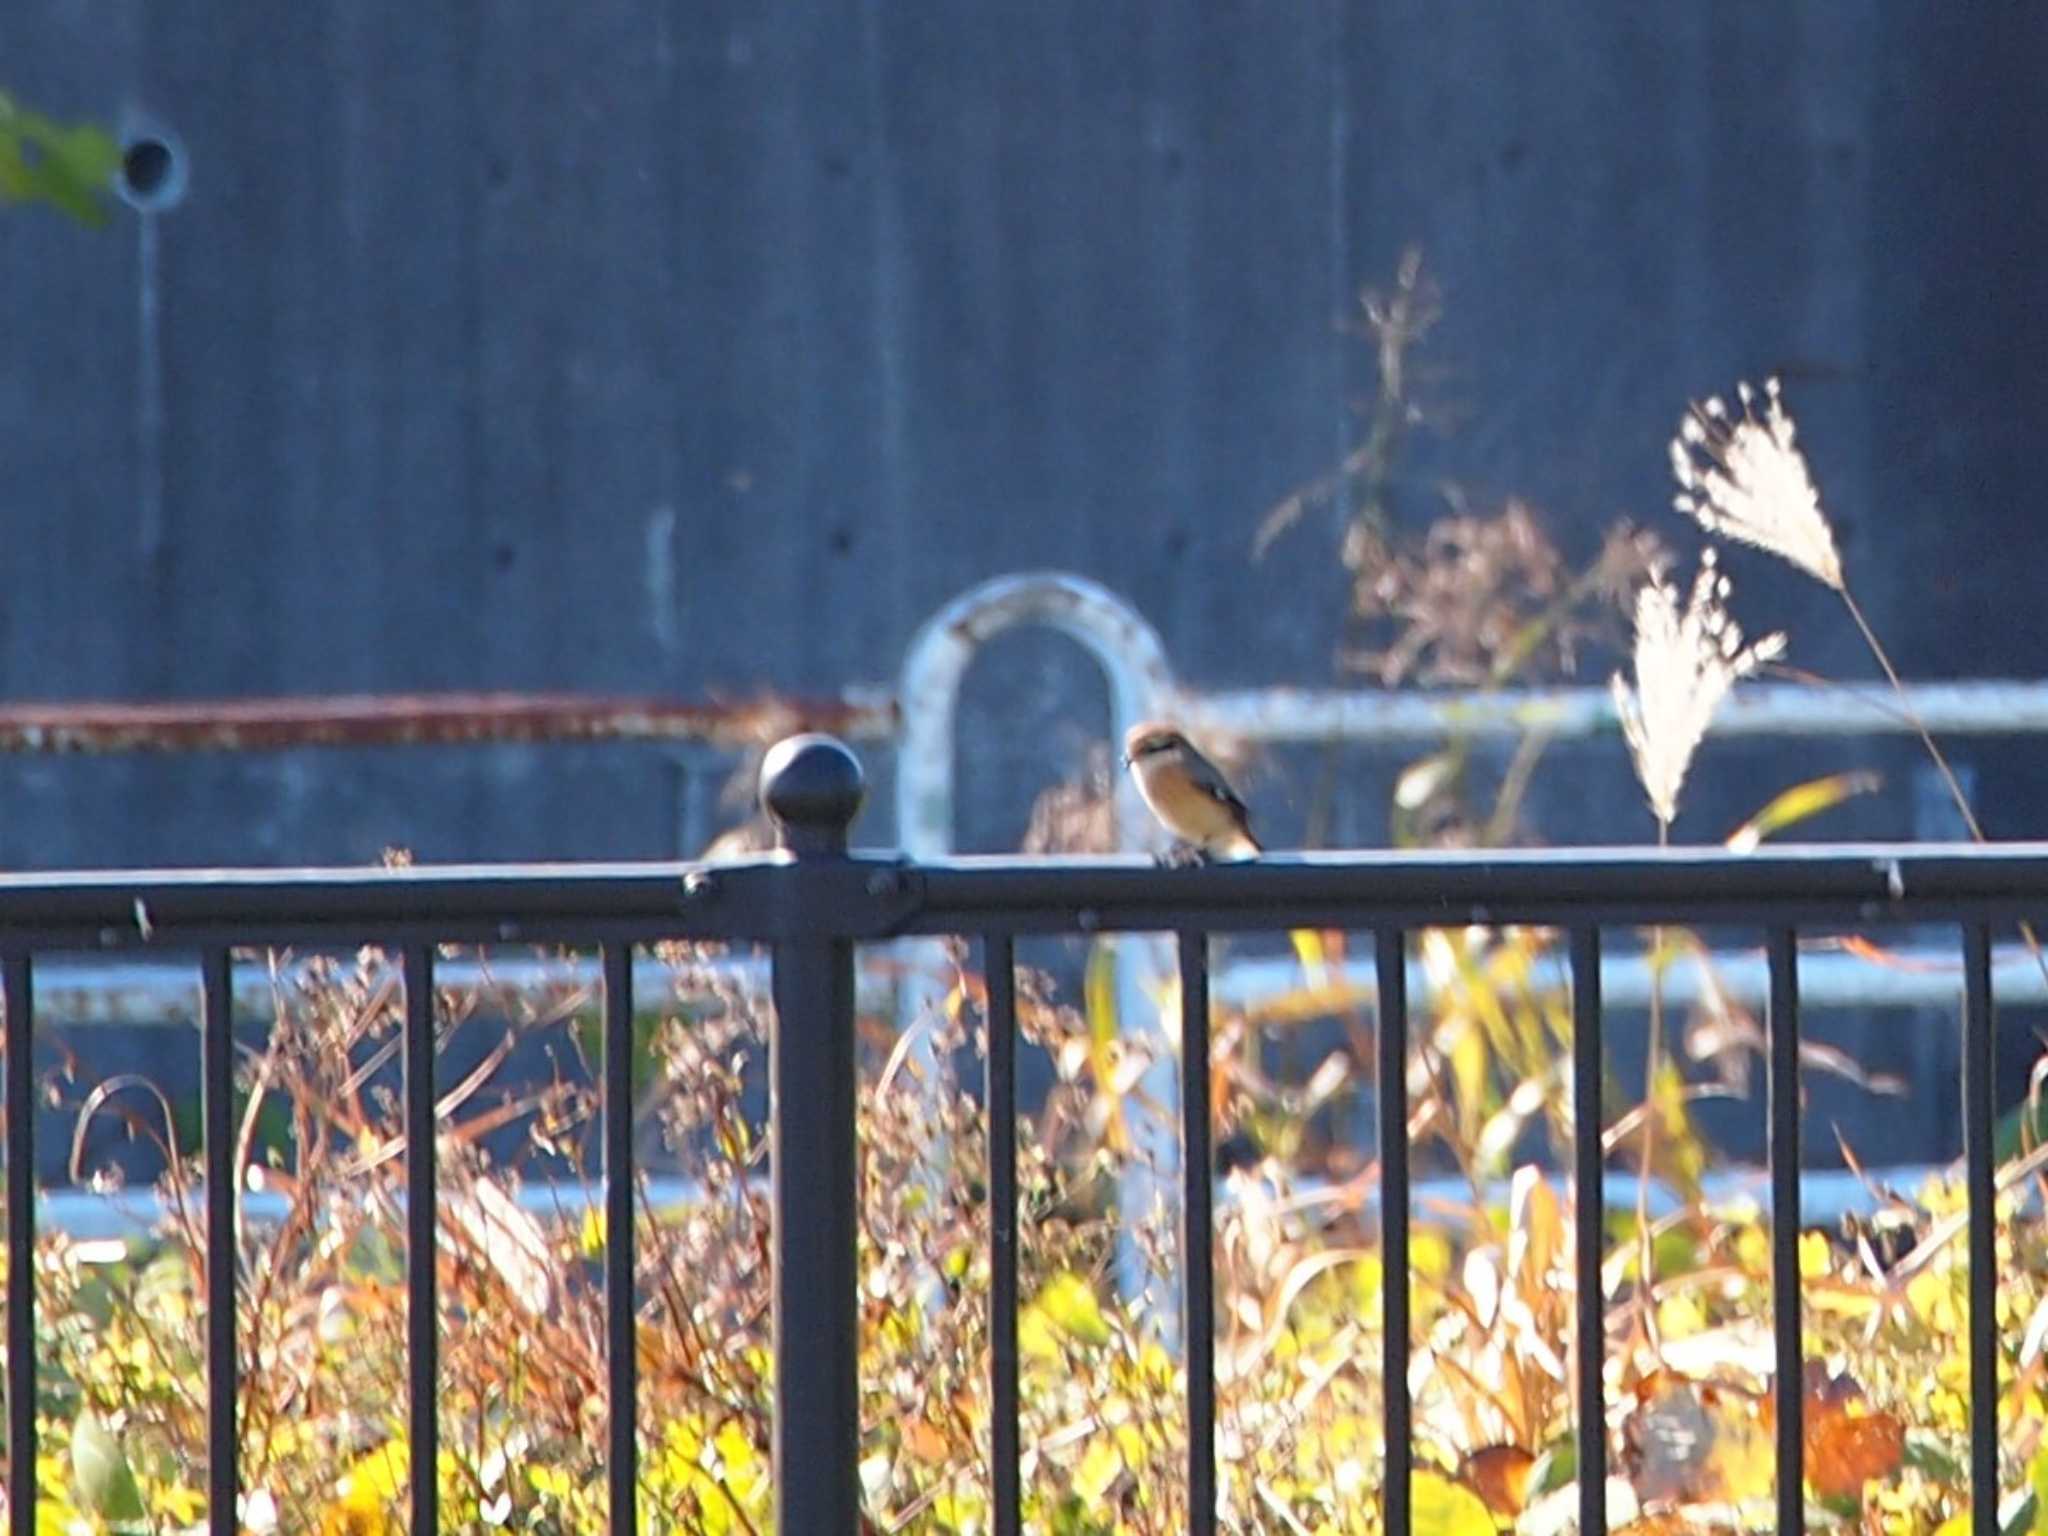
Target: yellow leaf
point(745, 1468)
point(1368, 1275)
point(1429, 1253)
point(1130, 1445)
point(1842, 1300)
point(1315, 962)
point(1469, 1061)
point(1068, 1303)
point(343, 1518)
point(1099, 993)
point(1814, 1258)
point(1680, 1316)
point(378, 1478)
point(549, 1482)
point(185, 1506)
point(1800, 803)
point(1753, 1248)
point(1932, 1295)
point(1101, 1464)
point(1036, 1339)
point(1440, 1507)
point(1939, 1196)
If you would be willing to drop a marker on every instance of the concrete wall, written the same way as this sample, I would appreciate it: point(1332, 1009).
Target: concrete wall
point(642, 346)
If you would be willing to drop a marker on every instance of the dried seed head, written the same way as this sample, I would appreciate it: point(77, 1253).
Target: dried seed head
point(1743, 477)
point(1685, 663)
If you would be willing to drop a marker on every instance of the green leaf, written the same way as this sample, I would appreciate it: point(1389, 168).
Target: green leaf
point(70, 167)
point(590, 1035)
point(1441, 1507)
point(2020, 1130)
point(1926, 1455)
point(1556, 1468)
point(100, 1471)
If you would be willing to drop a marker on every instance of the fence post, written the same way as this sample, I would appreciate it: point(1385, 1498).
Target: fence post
point(811, 787)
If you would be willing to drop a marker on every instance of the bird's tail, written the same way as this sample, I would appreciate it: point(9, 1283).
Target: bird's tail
point(1242, 845)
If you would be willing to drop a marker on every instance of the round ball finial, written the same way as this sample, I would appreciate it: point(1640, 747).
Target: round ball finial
point(812, 788)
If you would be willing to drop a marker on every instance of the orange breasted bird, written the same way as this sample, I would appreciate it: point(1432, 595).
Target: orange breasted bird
point(1188, 793)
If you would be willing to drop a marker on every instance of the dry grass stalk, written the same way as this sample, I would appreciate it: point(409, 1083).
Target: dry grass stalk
point(1685, 663)
point(1746, 479)
point(1749, 480)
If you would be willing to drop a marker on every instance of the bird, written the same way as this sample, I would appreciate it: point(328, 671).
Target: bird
point(1189, 795)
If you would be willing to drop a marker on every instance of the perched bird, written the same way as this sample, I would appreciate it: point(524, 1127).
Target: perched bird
point(1188, 793)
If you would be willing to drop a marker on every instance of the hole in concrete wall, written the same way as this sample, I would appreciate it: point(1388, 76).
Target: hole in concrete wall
point(152, 174)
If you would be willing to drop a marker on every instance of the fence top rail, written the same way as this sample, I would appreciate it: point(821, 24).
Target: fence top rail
point(870, 896)
point(1795, 884)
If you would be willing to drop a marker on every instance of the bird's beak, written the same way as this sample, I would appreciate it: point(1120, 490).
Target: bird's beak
point(1123, 759)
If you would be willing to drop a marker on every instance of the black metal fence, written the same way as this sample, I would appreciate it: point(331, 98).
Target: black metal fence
point(813, 902)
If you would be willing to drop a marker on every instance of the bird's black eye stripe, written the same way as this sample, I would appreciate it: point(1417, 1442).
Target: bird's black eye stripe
point(1148, 748)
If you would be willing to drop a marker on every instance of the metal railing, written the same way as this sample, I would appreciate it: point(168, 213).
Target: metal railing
point(812, 903)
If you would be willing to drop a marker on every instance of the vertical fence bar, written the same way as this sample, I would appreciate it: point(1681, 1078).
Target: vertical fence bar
point(811, 786)
point(999, 960)
point(1393, 1091)
point(1979, 1127)
point(21, 1238)
point(817, 1406)
point(1589, 1200)
point(1781, 946)
point(423, 1428)
point(218, 1106)
point(1197, 1240)
point(621, 1356)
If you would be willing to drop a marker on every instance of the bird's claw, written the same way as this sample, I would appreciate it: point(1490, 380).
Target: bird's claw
point(1181, 856)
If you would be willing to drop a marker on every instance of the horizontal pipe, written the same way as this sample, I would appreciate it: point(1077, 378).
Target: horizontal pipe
point(1920, 977)
point(1987, 708)
point(1825, 1196)
point(75, 992)
point(435, 719)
